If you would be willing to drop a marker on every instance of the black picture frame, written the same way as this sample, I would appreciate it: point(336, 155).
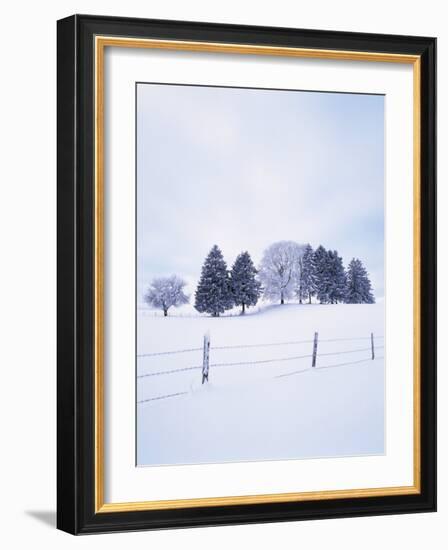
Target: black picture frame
point(76, 512)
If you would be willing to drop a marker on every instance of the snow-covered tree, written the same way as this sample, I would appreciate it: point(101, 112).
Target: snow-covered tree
point(246, 289)
point(305, 284)
point(321, 274)
point(213, 294)
point(358, 287)
point(279, 268)
point(329, 276)
point(337, 280)
point(166, 292)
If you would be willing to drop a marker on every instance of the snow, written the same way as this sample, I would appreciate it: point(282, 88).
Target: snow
point(252, 412)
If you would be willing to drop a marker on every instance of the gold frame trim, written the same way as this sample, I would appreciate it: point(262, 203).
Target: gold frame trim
point(101, 42)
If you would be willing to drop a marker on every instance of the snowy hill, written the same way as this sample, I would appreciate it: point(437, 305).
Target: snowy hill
point(263, 400)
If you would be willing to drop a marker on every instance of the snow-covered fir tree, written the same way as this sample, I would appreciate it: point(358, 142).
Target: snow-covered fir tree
point(336, 278)
point(305, 285)
point(321, 273)
point(166, 292)
point(358, 288)
point(299, 282)
point(213, 293)
point(246, 289)
point(278, 270)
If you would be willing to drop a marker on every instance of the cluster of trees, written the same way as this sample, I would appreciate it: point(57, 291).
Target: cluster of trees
point(220, 289)
point(288, 270)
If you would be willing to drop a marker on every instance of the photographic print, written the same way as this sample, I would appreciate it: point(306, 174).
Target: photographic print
point(246, 274)
point(260, 274)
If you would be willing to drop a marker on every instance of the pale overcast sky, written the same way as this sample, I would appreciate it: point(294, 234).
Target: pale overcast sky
point(242, 168)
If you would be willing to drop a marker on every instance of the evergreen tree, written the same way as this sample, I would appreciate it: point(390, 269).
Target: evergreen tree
point(246, 289)
point(321, 271)
point(299, 280)
point(213, 294)
point(305, 287)
point(337, 280)
point(358, 288)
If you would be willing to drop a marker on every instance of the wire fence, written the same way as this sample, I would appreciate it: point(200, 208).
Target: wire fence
point(265, 345)
point(206, 365)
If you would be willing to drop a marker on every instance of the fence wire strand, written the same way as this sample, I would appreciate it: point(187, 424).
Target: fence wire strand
point(311, 369)
point(162, 397)
point(293, 372)
point(173, 352)
point(243, 346)
point(172, 371)
point(343, 352)
point(348, 363)
point(260, 362)
point(350, 339)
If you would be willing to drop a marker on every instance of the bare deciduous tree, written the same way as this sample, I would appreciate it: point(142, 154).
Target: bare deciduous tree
point(279, 269)
point(166, 292)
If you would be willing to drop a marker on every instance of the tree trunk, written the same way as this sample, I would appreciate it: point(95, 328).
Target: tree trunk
point(309, 299)
point(282, 300)
point(243, 311)
point(165, 313)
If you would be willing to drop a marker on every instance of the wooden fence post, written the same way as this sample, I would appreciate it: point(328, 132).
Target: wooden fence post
point(313, 364)
point(206, 357)
point(373, 346)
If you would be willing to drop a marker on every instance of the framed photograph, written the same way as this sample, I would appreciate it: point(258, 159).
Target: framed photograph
point(246, 274)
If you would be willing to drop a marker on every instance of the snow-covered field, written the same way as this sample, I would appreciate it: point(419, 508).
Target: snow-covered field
point(251, 411)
